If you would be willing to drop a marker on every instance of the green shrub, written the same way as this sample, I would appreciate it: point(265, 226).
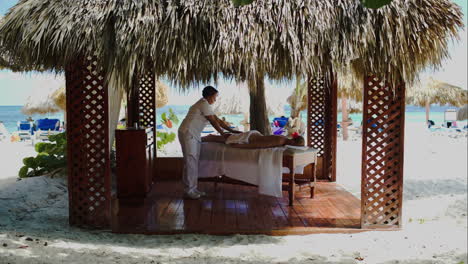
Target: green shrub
point(167, 120)
point(51, 158)
point(164, 138)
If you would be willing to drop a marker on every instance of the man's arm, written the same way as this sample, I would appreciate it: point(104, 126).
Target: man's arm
point(226, 126)
point(214, 122)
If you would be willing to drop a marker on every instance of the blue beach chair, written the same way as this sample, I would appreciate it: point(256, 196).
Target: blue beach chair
point(25, 130)
point(46, 127)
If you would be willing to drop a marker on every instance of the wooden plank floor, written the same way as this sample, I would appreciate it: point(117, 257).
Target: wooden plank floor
point(236, 209)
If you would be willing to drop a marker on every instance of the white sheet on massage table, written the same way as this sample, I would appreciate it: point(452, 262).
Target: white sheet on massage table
point(261, 167)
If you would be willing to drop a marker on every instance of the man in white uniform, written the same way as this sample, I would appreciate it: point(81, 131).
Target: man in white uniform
point(190, 131)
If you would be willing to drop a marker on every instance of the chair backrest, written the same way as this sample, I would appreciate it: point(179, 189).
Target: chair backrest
point(24, 125)
point(281, 121)
point(48, 124)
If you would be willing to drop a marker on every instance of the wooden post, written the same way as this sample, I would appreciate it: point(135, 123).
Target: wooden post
point(88, 167)
point(382, 154)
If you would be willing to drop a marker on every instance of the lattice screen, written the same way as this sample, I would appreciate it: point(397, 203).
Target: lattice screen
point(87, 145)
point(316, 115)
point(321, 127)
point(382, 157)
point(146, 100)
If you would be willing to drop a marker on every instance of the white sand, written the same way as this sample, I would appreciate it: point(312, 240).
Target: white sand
point(435, 220)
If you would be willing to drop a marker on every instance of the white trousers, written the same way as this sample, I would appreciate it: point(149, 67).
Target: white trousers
point(191, 151)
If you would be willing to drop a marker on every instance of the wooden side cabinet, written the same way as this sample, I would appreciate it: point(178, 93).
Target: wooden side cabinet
point(135, 152)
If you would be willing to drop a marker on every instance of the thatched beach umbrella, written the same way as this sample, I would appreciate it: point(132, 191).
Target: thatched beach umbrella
point(41, 100)
point(59, 98)
point(162, 91)
point(433, 91)
point(462, 113)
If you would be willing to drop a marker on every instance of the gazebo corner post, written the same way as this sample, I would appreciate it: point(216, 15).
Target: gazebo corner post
point(322, 122)
point(331, 140)
point(88, 154)
point(382, 154)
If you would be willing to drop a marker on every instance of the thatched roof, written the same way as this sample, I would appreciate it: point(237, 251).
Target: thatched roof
point(436, 92)
point(193, 41)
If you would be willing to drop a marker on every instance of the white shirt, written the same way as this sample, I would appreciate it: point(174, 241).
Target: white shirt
point(195, 121)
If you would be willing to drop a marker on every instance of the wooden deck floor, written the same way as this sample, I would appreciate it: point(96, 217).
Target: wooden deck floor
point(235, 209)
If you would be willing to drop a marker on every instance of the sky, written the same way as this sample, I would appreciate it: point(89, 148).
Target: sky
point(15, 88)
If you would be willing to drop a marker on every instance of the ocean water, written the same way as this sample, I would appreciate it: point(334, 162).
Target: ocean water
point(10, 115)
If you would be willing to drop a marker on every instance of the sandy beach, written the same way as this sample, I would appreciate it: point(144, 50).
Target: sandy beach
point(34, 219)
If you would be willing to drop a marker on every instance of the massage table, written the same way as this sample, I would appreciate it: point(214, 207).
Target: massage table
point(263, 167)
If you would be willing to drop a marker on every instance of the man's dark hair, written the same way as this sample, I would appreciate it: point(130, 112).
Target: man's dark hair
point(209, 91)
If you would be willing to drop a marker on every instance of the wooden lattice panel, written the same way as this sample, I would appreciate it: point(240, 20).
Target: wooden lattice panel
point(87, 145)
point(321, 127)
point(146, 100)
point(382, 156)
point(316, 115)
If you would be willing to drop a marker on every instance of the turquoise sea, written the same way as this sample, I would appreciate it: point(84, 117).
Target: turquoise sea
point(10, 115)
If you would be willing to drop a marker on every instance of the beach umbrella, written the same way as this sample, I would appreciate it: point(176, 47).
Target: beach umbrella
point(59, 98)
point(352, 106)
point(162, 91)
point(462, 113)
point(432, 91)
point(41, 100)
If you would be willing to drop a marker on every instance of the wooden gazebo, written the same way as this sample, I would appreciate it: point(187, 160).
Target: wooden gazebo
point(125, 44)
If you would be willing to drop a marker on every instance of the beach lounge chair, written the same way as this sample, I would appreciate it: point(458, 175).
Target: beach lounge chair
point(25, 130)
point(46, 127)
